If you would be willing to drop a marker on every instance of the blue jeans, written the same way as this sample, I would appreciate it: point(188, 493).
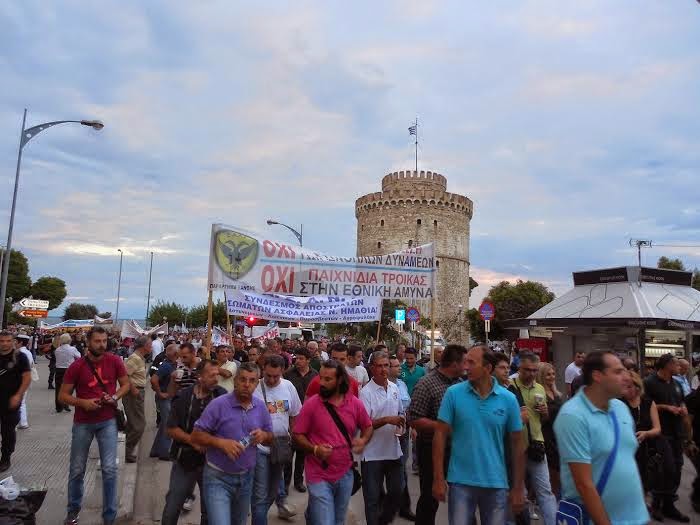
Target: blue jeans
point(374, 473)
point(266, 487)
point(161, 443)
point(463, 501)
point(538, 474)
point(328, 502)
point(182, 483)
point(106, 434)
point(227, 496)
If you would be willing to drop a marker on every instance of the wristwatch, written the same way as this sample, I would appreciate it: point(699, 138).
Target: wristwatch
point(115, 398)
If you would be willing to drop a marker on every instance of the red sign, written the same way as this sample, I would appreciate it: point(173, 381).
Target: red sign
point(33, 314)
point(487, 311)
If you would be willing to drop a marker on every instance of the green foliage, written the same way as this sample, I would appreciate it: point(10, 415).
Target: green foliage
point(197, 315)
point(18, 281)
point(670, 264)
point(175, 313)
point(512, 301)
point(51, 289)
point(79, 311)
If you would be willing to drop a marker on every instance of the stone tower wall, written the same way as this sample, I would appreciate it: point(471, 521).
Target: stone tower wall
point(388, 220)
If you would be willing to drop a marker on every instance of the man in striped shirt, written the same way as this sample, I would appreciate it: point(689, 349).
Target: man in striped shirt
point(185, 375)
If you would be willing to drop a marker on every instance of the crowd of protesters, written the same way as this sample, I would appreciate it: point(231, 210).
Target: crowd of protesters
point(490, 434)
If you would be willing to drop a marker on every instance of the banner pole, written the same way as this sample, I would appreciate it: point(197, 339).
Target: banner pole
point(210, 315)
point(432, 332)
point(379, 323)
point(228, 321)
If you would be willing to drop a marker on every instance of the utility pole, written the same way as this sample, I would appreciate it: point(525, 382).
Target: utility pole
point(119, 283)
point(639, 243)
point(148, 299)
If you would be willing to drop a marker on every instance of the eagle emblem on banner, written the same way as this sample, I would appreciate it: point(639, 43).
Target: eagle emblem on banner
point(235, 253)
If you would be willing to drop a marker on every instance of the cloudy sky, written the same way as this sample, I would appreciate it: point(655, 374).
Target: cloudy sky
point(573, 126)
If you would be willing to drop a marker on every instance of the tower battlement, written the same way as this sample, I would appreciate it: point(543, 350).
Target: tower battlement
point(414, 179)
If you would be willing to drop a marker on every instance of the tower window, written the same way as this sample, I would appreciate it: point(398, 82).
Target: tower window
point(379, 244)
point(434, 223)
point(437, 264)
point(418, 222)
point(381, 223)
point(410, 243)
point(362, 228)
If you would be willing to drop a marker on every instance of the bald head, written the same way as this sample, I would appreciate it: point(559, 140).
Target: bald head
point(684, 366)
point(171, 352)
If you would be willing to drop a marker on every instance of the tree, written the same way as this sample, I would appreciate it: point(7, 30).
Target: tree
point(18, 281)
point(79, 311)
point(175, 313)
point(197, 315)
point(670, 264)
point(51, 289)
point(512, 301)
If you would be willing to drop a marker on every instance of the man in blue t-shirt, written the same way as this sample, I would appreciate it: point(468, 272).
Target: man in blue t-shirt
point(159, 383)
point(585, 431)
point(479, 414)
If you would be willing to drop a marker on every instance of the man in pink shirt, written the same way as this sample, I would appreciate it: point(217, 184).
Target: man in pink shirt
point(328, 462)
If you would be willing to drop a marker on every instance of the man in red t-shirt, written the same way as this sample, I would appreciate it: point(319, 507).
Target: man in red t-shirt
point(94, 379)
point(328, 445)
point(339, 352)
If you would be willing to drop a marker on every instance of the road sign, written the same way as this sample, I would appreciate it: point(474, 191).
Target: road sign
point(400, 316)
point(487, 310)
point(34, 304)
point(412, 314)
point(34, 314)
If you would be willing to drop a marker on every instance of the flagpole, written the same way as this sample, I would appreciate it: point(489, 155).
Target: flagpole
point(210, 318)
point(416, 145)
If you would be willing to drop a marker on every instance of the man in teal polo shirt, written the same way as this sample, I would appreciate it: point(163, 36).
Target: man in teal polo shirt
point(586, 435)
point(411, 372)
point(478, 414)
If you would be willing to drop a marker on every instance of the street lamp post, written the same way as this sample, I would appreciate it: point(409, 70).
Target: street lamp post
point(26, 136)
point(148, 299)
point(119, 283)
point(299, 234)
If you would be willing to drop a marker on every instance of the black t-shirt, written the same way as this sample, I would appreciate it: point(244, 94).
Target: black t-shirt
point(12, 366)
point(692, 403)
point(240, 356)
point(184, 412)
point(666, 393)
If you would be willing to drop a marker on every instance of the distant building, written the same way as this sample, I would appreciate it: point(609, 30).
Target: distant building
point(415, 208)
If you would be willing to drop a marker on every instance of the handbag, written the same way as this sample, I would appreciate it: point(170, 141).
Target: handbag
point(536, 450)
point(573, 513)
point(357, 477)
point(118, 412)
point(281, 449)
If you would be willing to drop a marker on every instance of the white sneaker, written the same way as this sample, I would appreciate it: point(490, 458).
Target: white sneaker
point(187, 505)
point(286, 510)
point(23, 426)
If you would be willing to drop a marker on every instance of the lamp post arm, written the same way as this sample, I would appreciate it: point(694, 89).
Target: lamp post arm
point(296, 233)
point(30, 133)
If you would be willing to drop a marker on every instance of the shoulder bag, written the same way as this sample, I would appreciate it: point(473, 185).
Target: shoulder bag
point(535, 449)
point(281, 448)
point(357, 477)
point(573, 513)
point(118, 412)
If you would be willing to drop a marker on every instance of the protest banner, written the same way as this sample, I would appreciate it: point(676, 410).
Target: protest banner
point(314, 309)
point(132, 329)
point(239, 258)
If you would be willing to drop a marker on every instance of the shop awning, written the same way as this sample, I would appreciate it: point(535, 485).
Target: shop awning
point(624, 296)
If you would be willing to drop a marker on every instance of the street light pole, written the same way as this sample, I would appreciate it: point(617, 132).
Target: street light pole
point(299, 234)
point(25, 136)
point(148, 299)
point(119, 283)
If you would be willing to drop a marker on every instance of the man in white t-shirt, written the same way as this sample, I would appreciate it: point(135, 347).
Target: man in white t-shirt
point(157, 346)
point(381, 458)
point(283, 403)
point(22, 341)
point(573, 370)
point(227, 367)
point(354, 366)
